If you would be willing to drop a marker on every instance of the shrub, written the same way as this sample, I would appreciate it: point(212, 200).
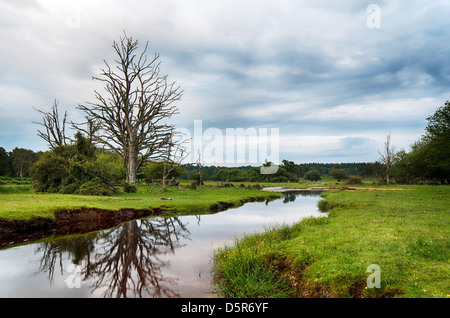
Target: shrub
point(193, 185)
point(323, 205)
point(78, 169)
point(69, 188)
point(51, 171)
point(354, 180)
point(312, 175)
point(94, 187)
point(339, 174)
point(129, 188)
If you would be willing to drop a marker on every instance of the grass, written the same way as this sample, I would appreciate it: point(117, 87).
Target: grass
point(403, 230)
point(20, 202)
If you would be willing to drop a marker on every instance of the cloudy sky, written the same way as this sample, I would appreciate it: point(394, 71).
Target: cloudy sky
point(335, 77)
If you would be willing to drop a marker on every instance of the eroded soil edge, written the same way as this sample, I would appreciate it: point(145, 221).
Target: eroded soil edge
point(85, 220)
point(66, 222)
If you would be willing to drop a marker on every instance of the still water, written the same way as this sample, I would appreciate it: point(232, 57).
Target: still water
point(152, 257)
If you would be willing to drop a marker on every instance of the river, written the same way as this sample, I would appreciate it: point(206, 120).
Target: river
point(152, 257)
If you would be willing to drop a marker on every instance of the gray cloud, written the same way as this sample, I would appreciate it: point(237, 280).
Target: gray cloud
point(310, 68)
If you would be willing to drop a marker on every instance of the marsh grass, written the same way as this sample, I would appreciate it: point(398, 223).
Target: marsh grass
point(10, 188)
point(246, 269)
point(405, 232)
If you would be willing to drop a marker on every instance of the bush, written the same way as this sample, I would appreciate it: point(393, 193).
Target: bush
point(129, 188)
point(354, 180)
point(69, 188)
point(77, 168)
point(339, 174)
point(312, 175)
point(94, 187)
point(51, 171)
point(323, 205)
point(193, 185)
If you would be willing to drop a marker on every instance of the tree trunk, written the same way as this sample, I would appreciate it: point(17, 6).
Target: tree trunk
point(131, 172)
point(132, 155)
point(387, 174)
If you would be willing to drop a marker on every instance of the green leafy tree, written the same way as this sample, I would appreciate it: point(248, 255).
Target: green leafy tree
point(5, 163)
point(437, 144)
point(312, 175)
point(339, 174)
point(109, 165)
point(291, 167)
point(22, 159)
point(153, 171)
point(439, 123)
point(429, 158)
point(365, 169)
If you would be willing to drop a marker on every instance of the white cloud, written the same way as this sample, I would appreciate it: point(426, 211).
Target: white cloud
point(405, 109)
point(311, 68)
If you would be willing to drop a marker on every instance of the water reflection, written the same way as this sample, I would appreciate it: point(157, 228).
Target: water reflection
point(153, 257)
point(292, 195)
point(78, 248)
point(122, 262)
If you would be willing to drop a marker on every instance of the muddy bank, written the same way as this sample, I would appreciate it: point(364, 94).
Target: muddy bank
point(282, 189)
point(66, 222)
point(83, 220)
point(223, 206)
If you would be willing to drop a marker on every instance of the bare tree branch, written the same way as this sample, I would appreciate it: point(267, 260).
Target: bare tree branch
point(131, 114)
point(387, 156)
point(176, 153)
point(55, 131)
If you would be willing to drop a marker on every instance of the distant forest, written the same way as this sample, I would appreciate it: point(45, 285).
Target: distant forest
point(18, 163)
point(287, 171)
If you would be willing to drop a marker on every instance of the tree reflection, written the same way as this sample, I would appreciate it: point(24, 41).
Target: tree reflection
point(291, 196)
point(126, 261)
point(53, 252)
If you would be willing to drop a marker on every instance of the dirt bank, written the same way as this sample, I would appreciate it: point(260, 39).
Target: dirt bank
point(76, 221)
point(223, 206)
point(83, 220)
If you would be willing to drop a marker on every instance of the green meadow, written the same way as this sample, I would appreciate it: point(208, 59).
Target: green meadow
point(404, 230)
point(21, 202)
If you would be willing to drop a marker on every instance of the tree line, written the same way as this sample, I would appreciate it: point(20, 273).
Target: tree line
point(69, 165)
point(288, 171)
point(17, 163)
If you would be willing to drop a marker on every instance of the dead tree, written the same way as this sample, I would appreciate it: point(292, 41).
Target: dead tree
point(55, 131)
point(199, 165)
point(387, 156)
point(176, 153)
point(130, 115)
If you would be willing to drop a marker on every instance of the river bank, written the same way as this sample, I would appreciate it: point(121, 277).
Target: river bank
point(404, 233)
point(28, 216)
